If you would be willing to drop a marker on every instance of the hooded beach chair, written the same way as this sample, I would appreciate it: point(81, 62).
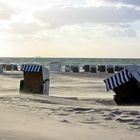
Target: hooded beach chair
point(4, 66)
point(110, 69)
point(67, 68)
point(93, 69)
point(55, 66)
point(36, 79)
point(86, 68)
point(15, 67)
point(1, 68)
point(75, 68)
point(102, 68)
point(126, 85)
point(119, 67)
point(9, 67)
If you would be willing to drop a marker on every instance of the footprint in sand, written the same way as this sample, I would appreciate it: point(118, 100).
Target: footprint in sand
point(124, 120)
point(134, 113)
point(135, 123)
point(117, 112)
point(108, 118)
point(65, 121)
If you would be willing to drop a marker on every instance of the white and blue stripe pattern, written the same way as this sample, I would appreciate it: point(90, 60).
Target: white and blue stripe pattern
point(118, 79)
point(31, 68)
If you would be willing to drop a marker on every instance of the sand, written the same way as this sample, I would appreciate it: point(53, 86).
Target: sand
point(78, 108)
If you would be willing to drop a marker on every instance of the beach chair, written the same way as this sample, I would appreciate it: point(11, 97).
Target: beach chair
point(75, 68)
point(4, 66)
point(102, 68)
point(93, 69)
point(86, 68)
point(15, 67)
point(1, 68)
point(110, 69)
point(36, 79)
point(119, 67)
point(126, 85)
point(9, 67)
point(67, 68)
point(55, 66)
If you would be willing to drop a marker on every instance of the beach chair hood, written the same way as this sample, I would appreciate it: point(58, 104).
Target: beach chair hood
point(31, 68)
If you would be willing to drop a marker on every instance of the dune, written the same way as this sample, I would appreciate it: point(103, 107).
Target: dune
point(78, 108)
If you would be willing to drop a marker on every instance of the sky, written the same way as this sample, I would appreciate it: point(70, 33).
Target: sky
point(70, 28)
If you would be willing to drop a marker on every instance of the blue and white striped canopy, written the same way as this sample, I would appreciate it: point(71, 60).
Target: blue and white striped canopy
point(118, 79)
point(31, 68)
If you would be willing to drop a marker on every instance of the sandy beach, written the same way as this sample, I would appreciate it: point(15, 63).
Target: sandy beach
point(78, 108)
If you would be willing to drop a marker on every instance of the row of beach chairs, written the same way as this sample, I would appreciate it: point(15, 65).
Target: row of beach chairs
point(9, 67)
point(70, 68)
point(95, 68)
point(53, 66)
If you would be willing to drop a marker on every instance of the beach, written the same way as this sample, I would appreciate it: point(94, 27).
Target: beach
point(78, 107)
point(70, 70)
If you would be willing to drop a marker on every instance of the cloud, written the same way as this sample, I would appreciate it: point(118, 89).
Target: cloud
point(25, 28)
point(128, 2)
point(80, 22)
point(6, 12)
point(96, 31)
point(57, 17)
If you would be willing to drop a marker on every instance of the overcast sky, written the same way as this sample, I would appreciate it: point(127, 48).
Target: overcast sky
point(70, 28)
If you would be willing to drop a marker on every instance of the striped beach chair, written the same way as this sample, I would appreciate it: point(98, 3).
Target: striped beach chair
point(126, 85)
point(36, 79)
